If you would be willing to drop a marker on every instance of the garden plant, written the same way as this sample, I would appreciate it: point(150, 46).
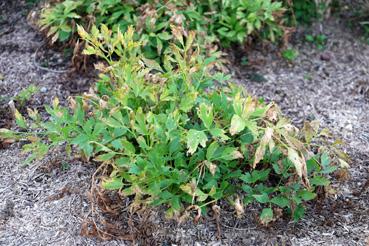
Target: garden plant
point(180, 135)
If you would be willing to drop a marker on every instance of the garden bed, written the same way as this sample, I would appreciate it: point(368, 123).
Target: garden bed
point(47, 202)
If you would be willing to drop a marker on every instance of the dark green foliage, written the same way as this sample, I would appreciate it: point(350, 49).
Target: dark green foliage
point(223, 22)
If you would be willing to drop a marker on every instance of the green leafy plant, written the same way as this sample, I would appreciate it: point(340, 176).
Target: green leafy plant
point(25, 95)
point(290, 54)
point(306, 11)
point(223, 22)
point(179, 136)
point(319, 40)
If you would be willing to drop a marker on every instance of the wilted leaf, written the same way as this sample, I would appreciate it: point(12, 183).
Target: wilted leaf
point(300, 165)
point(237, 125)
point(260, 151)
point(240, 211)
point(310, 130)
point(231, 153)
point(211, 166)
point(219, 133)
point(343, 163)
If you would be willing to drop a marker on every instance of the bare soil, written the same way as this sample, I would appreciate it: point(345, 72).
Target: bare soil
point(46, 203)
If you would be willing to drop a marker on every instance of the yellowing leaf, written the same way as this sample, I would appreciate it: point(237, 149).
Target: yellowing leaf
point(300, 165)
point(211, 166)
point(310, 130)
point(260, 151)
point(112, 183)
point(266, 216)
point(343, 163)
point(237, 125)
point(19, 119)
point(296, 160)
point(194, 139)
point(205, 113)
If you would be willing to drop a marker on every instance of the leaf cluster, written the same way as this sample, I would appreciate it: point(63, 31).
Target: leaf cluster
point(223, 22)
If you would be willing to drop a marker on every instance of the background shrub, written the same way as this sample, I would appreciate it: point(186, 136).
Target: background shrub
point(224, 22)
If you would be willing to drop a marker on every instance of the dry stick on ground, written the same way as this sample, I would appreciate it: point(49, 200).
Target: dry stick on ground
point(216, 210)
point(44, 68)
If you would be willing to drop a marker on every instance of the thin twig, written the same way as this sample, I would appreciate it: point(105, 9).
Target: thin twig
point(44, 68)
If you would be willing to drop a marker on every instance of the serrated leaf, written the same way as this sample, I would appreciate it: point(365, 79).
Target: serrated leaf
point(280, 201)
point(152, 64)
point(263, 198)
point(299, 212)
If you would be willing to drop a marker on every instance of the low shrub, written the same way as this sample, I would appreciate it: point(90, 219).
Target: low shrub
point(223, 22)
point(179, 136)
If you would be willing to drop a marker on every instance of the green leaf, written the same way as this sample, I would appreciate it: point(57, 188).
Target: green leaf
point(164, 36)
point(263, 198)
point(256, 175)
point(219, 133)
point(298, 213)
point(280, 201)
point(188, 101)
point(205, 113)
point(112, 183)
point(117, 144)
point(194, 139)
point(266, 216)
point(123, 162)
point(128, 147)
point(230, 153)
point(319, 181)
point(325, 160)
point(20, 120)
point(105, 157)
point(211, 150)
point(307, 195)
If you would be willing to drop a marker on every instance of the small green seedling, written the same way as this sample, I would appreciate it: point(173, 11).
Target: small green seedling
point(290, 54)
point(25, 95)
point(318, 40)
